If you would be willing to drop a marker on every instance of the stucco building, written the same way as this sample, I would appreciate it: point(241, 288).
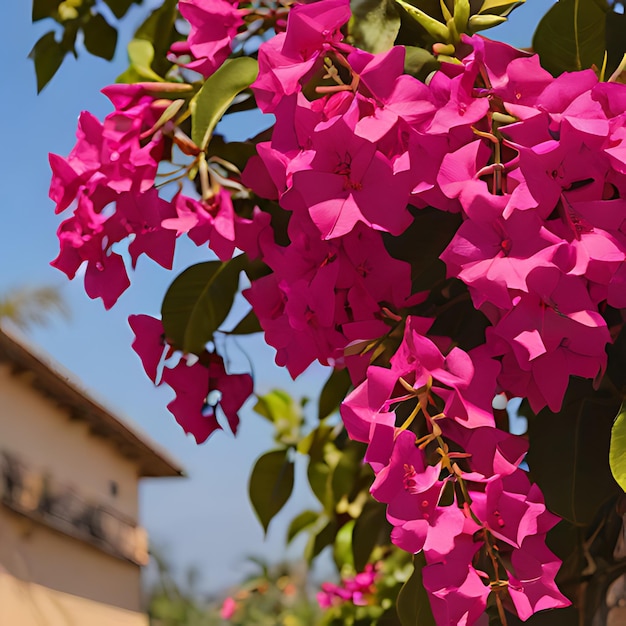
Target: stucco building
point(71, 547)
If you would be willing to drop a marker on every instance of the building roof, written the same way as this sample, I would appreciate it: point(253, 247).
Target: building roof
point(49, 379)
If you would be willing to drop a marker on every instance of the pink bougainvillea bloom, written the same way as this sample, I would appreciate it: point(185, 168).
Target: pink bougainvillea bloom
point(494, 257)
point(191, 385)
point(289, 58)
point(234, 390)
point(492, 451)
point(149, 343)
point(532, 582)
point(358, 589)
point(394, 95)
point(229, 606)
point(350, 181)
point(142, 215)
point(458, 594)
point(195, 405)
point(214, 25)
point(553, 332)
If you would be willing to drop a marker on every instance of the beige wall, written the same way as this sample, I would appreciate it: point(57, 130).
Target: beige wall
point(35, 553)
point(47, 439)
point(28, 604)
point(43, 436)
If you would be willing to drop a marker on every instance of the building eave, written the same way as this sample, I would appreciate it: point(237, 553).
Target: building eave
point(49, 379)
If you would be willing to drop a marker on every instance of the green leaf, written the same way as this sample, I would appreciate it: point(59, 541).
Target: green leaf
point(100, 37)
point(44, 8)
point(271, 484)
point(320, 540)
point(499, 7)
point(483, 22)
point(216, 95)
point(333, 393)
point(278, 407)
point(615, 40)
point(300, 523)
point(159, 29)
point(374, 24)
point(422, 243)
point(319, 475)
point(141, 55)
point(198, 301)
point(419, 62)
point(47, 54)
point(347, 470)
point(248, 325)
point(571, 36)
point(568, 452)
point(437, 30)
point(413, 605)
point(120, 7)
point(366, 532)
point(617, 450)
point(342, 548)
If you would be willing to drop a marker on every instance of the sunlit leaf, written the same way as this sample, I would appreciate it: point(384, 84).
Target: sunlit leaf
point(279, 408)
point(499, 7)
point(159, 29)
point(271, 484)
point(342, 548)
point(216, 95)
point(198, 301)
point(617, 450)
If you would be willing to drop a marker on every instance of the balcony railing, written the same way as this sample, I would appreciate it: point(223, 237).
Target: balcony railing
point(36, 495)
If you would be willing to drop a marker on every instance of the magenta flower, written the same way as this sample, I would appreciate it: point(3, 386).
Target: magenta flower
point(458, 594)
point(149, 344)
point(349, 181)
point(214, 26)
point(195, 404)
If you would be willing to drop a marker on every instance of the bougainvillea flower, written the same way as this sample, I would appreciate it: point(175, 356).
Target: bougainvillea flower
point(289, 58)
point(457, 592)
point(532, 583)
point(189, 408)
point(350, 181)
point(149, 343)
point(193, 407)
point(214, 25)
point(492, 451)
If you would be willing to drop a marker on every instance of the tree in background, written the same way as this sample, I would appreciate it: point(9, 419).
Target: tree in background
point(276, 595)
point(28, 306)
point(437, 217)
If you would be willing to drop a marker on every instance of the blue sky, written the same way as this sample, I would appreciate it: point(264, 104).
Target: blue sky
point(204, 520)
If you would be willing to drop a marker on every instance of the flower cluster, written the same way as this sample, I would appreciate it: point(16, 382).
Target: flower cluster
point(201, 384)
point(533, 167)
point(542, 246)
point(108, 179)
point(358, 589)
point(452, 482)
